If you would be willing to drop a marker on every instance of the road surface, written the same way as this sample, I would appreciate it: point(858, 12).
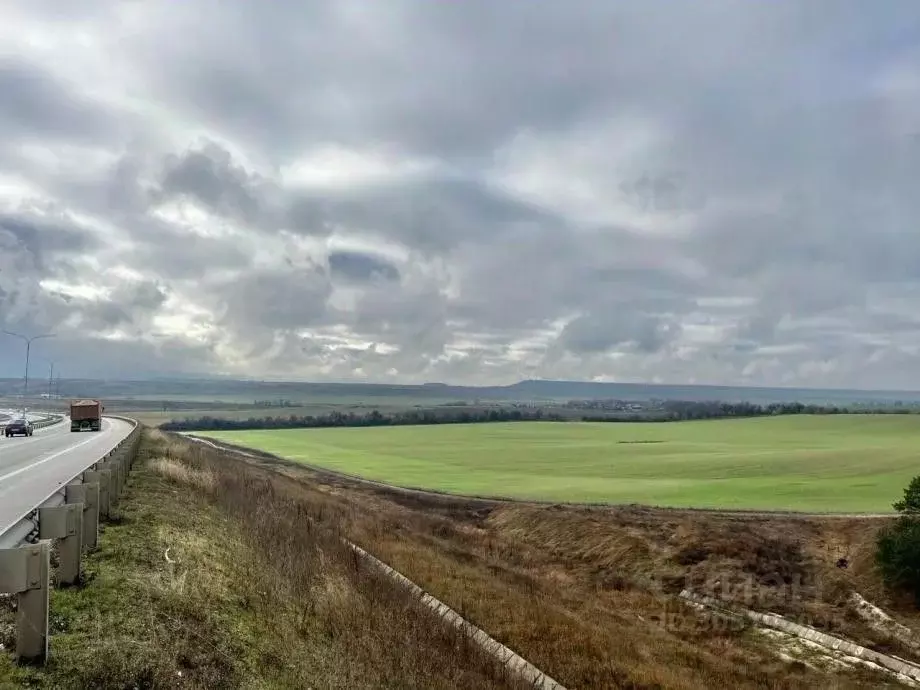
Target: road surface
point(34, 467)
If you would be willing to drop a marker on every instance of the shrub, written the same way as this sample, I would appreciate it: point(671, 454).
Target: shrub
point(898, 546)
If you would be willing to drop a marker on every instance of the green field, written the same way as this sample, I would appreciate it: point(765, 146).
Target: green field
point(843, 463)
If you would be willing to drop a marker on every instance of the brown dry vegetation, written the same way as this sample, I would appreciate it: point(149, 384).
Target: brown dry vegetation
point(587, 594)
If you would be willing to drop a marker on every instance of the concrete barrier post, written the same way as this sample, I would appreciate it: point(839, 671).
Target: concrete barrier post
point(120, 471)
point(88, 495)
point(25, 571)
point(91, 516)
point(118, 461)
point(125, 461)
point(102, 478)
point(64, 523)
point(114, 481)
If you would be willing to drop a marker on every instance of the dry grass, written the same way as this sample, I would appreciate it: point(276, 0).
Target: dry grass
point(203, 480)
point(311, 579)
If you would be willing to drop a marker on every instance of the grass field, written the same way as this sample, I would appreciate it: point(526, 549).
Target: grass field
point(823, 463)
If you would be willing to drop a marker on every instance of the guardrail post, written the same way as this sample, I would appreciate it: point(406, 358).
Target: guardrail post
point(104, 479)
point(66, 524)
point(25, 572)
point(114, 481)
point(121, 458)
point(114, 477)
point(88, 495)
point(120, 471)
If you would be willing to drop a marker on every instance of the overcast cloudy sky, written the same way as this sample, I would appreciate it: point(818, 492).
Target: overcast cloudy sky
point(471, 192)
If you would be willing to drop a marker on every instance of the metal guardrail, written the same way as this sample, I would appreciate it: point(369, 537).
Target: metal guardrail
point(29, 524)
point(70, 515)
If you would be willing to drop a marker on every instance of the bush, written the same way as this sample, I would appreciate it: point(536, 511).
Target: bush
point(897, 552)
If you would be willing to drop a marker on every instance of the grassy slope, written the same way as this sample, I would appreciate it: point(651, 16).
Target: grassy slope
point(816, 463)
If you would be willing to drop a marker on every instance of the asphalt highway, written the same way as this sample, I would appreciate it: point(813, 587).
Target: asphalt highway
point(32, 468)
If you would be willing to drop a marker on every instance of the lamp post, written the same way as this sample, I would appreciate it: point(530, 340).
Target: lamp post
point(28, 341)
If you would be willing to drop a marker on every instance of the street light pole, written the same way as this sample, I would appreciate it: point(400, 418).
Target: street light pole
point(28, 341)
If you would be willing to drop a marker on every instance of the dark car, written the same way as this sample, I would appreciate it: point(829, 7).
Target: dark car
point(19, 426)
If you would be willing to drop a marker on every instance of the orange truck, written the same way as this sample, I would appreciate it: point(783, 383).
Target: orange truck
point(86, 415)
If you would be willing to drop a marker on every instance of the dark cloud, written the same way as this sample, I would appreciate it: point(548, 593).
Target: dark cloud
point(412, 320)
point(258, 303)
point(667, 191)
point(472, 191)
point(129, 306)
point(39, 107)
point(361, 267)
point(104, 315)
point(308, 215)
point(126, 359)
point(45, 239)
point(209, 175)
point(600, 332)
point(434, 214)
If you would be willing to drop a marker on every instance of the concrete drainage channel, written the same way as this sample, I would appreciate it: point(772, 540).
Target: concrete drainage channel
point(70, 516)
point(904, 670)
point(512, 661)
point(509, 659)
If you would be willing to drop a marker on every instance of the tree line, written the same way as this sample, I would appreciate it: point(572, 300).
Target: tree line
point(370, 419)
point(678, 410)
point(660, 411)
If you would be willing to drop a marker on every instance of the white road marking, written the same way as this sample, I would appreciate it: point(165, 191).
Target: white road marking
point(50, 457)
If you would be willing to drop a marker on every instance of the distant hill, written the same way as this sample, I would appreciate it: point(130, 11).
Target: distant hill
point(643, 391)
point(532, 390)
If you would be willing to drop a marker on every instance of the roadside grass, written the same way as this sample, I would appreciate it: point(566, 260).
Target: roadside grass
point(833, 463)
point(212, 577)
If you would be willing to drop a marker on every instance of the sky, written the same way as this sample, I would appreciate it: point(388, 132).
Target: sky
point(473, 192)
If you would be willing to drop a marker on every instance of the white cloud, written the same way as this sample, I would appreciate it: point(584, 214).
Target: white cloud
point(335, 167)
point(611, 173)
